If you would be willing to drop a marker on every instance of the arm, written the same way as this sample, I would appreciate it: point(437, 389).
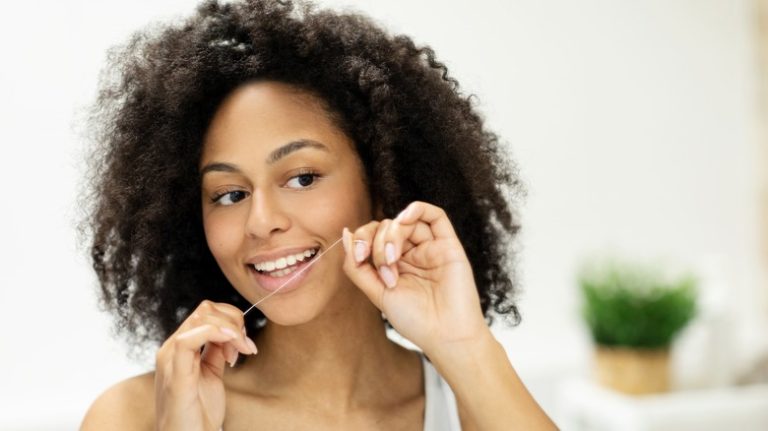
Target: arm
point(415, 270)
point(489, 393)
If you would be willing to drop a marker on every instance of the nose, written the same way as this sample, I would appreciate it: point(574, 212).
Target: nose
point(266, 216)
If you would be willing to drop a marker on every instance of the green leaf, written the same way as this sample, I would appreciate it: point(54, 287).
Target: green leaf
point(631, 305)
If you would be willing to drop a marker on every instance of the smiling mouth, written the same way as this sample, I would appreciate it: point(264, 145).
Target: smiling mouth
point(286, 265)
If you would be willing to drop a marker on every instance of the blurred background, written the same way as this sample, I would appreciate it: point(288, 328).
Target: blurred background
point(640, 128)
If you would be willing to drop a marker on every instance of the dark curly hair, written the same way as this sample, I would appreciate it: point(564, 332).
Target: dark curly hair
point(418, 137)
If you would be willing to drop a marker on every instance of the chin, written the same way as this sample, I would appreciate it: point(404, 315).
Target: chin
point(295, 311)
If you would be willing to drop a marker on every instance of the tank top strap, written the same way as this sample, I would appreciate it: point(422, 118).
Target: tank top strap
point(440, 410)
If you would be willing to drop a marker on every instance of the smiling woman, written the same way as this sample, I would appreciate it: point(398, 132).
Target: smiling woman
point(293, 181)
point(235, 149)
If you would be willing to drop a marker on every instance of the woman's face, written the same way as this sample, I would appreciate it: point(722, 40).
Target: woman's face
point(279, 183)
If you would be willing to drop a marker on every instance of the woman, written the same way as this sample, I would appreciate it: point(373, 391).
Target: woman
point(236, 150)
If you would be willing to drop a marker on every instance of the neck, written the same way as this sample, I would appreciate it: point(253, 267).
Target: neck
point(340, 361)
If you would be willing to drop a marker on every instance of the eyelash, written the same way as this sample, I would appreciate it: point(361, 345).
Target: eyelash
point(315, 176)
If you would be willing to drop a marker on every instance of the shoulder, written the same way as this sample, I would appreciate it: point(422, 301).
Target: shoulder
point(129, 404)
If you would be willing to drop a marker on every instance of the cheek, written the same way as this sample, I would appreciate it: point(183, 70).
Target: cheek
point(360, 207)
point(222, 235)
point(346, 204)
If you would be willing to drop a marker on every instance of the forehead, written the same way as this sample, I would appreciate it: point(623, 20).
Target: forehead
point(261, 116)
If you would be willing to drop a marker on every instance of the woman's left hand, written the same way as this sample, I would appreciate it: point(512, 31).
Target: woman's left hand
point(414, 269)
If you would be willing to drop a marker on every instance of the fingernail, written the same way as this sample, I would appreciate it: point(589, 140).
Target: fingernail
point(389, 251)
point(233, 359)
point(229, 332)
point(360, 249)
point(252, 345)
point(387, 276)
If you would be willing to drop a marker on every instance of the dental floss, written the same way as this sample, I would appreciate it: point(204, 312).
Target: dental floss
point(294, 276)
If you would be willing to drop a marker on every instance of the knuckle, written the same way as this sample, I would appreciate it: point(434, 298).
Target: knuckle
point(232, 311)
point(206, 327)
point(164, 347)
point(363, 231)
point(163, 355)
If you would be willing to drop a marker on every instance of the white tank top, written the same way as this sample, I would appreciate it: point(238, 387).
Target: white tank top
point(440, 411)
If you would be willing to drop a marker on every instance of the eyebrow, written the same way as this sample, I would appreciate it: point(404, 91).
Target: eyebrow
point(273, 157)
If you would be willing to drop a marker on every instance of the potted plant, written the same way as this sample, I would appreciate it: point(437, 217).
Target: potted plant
point(634, 312)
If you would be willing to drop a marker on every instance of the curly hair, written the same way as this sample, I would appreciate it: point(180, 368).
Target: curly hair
point(418, 137)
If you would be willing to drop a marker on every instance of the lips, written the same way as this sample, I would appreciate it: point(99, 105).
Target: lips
point(293, 275)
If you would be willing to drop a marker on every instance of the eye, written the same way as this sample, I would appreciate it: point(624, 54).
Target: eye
point(229, 198)
point(302, 180)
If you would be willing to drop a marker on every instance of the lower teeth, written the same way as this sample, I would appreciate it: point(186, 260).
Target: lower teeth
point(282, 272)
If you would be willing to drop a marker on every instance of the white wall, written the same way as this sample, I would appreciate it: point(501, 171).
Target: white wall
point(632, 122)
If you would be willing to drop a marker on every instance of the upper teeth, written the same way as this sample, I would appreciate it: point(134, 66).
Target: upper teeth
point(284, 261)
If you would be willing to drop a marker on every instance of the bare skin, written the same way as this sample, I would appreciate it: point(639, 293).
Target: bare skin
point(323, 361)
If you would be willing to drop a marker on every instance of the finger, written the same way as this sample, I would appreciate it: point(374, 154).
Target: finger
point(403, 238)
point(208, 307)
point(216, 354)
point(250, 342)
point(233, 313)
point(236, 322)
point(433, 215)
point(186, 349)
point(192, 321)
point(230, 353)
point(238, 341)
point(364, 276)
point(361, 241)
point(433, 254)
point(379, 251)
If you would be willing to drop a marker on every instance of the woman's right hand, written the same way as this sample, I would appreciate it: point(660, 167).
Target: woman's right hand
point(189, 385)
